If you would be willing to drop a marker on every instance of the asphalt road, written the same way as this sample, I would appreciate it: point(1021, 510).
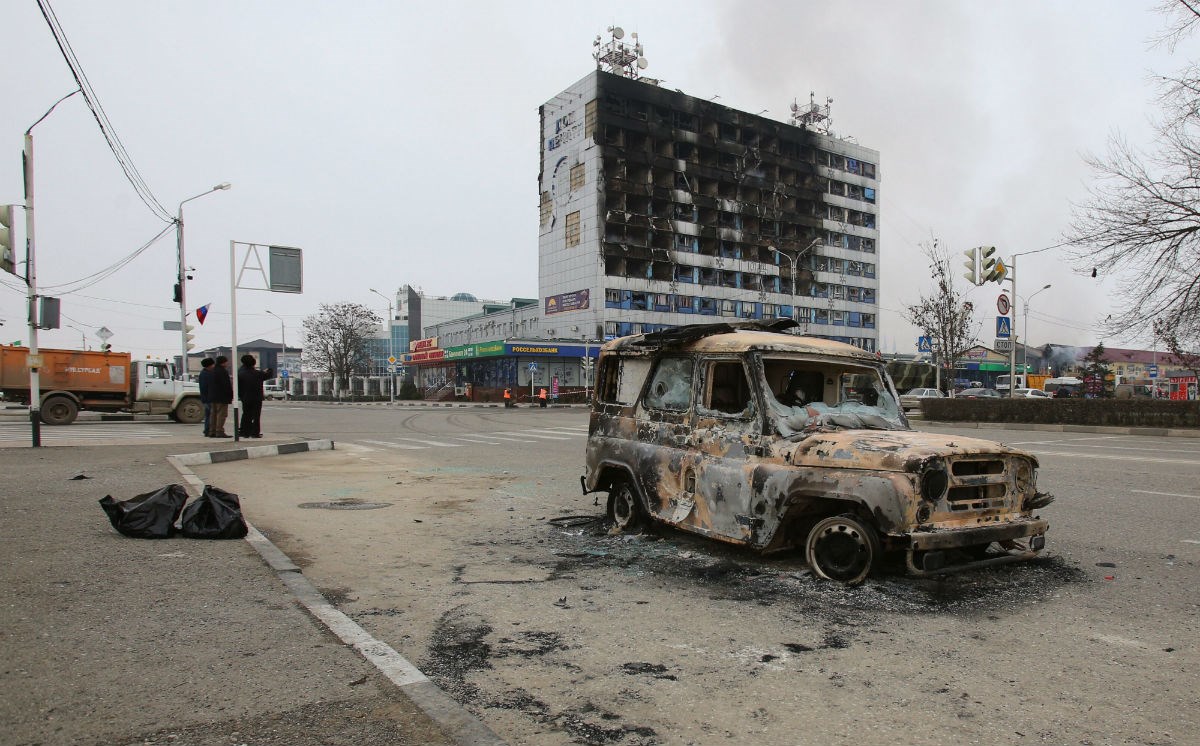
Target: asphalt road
point(459, 536)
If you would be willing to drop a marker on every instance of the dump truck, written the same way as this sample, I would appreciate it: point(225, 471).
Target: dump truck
point(74, 380)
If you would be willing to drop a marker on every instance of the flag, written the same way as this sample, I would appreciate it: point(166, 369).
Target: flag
point(202, 313)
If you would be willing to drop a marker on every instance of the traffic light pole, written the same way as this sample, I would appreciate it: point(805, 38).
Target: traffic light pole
point(35, 383)
point(181, 281)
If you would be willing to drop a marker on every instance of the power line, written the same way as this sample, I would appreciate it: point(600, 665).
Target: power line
point(86, 282)
point(106, 126)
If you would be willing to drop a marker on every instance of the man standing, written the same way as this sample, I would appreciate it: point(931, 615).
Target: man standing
point(220, 394)
point(205, 380)
point(250, 393)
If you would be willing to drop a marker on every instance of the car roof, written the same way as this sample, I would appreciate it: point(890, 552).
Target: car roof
point(737, 337)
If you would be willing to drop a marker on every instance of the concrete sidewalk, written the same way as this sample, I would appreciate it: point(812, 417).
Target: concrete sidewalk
point(111, 640)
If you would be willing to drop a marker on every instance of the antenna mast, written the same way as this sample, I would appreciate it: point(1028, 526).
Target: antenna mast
point(812, 116)
point(619, 57)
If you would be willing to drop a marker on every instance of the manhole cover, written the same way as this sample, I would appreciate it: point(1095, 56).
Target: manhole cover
point(347, 504)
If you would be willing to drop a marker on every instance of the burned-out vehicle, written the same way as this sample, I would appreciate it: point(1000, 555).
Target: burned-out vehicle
point(749, 435)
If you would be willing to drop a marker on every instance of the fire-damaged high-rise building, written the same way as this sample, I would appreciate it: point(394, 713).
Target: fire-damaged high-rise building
point(659, 209)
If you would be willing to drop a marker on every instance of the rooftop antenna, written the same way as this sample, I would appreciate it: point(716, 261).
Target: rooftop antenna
point(619, 57)
point(812, 116)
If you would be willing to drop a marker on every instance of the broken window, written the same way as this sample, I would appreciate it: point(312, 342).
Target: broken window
point(639, 301)
point(577, 172)
point(573, 228)
point(868, 320)
point(838, 318)
point(620, 379)
point(671, 386)
point(708, 306)
point(545, 208)
point(726, 388)
point(685, 273)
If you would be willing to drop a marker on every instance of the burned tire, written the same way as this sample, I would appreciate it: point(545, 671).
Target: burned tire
point(843, 548)
point(625, 507)
point(59, 410)
point(190, 411)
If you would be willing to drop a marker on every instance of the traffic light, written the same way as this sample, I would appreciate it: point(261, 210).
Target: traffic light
point(106, 347)
point(987, 265)
point(7, 255)
point(178, 293)
point(188, 336)
point(972, 265)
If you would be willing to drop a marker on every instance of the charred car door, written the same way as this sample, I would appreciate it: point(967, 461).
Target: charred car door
point(663, 434)
point(725, 443)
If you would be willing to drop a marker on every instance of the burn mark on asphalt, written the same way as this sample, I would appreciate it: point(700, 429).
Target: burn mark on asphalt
point(457, 648)
point(580, 723)
point(656, 670)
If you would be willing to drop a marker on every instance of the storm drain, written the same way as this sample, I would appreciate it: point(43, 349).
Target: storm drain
point(346, 504)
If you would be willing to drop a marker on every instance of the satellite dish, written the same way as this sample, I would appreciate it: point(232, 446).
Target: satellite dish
point(618, 32)
point(642, 63)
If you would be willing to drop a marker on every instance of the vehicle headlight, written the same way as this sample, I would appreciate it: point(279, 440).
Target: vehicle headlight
point(1025, 477)
point(934, 482)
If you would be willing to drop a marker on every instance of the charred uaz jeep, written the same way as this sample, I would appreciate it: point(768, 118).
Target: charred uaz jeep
point(749, 435)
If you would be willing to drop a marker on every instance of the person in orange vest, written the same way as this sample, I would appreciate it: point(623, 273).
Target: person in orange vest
point(542, 398)
point(508, 398)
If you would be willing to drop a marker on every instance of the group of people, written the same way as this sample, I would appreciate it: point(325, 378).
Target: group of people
point(216, 393)
point(508, 398)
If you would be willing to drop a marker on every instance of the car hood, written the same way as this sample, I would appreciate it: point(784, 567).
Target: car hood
point(887, 450)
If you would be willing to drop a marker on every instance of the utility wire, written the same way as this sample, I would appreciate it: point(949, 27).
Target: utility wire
point(106, 126)
point(67, 288)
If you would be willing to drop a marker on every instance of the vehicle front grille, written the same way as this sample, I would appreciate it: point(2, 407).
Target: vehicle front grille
point(977, 484)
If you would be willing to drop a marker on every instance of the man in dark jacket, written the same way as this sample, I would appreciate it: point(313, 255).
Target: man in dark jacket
point(250, 393)
point(220, 396)
point(205, 379)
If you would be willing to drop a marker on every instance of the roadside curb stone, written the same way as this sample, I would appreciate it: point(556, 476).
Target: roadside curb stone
point(453, 719)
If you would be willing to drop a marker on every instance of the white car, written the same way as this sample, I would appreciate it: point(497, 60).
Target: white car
point(274, 391)
point(912, 400)
point(1030, 394)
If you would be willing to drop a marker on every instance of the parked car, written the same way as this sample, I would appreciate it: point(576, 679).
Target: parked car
point(1030, 394)
point(980, 394)
point(746, 435)
point(912, 400)
point(274, 391)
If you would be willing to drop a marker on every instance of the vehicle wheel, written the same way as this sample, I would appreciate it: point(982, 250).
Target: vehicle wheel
point(190, 411)
point(842, 548)
point(625, 507)
point(59, 410)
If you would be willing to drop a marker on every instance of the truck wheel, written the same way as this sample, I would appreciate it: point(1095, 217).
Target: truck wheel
point(842, 548)
point(190, 411)
point(625, 506)
point(59, 410)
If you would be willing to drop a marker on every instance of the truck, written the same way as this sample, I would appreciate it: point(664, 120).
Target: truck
point(1024, 381)
point(71, 380)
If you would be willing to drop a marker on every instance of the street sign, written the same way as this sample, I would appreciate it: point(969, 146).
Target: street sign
point(924, 344)
point(1000, 272)
point(104, 333)
point(283, 373)
point(1003, 327)
point(391, 369)
point(533, 367)
point(1002, 305)
point(172, 326)
point(392, 359)
point(1152, 371)
point(1003, 345)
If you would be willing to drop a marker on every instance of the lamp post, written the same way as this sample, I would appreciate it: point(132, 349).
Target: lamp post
point(391, 350)
point(794, 262)
point(182, 278)
point(1025, 334)
point(282, 352)
point(82, 336)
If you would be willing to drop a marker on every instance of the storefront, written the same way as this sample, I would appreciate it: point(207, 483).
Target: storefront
point(481, 371)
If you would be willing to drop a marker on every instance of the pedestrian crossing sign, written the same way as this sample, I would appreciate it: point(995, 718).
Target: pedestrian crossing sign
point(1003, 327)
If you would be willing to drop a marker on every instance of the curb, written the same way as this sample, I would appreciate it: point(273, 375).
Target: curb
point(454, 719)
point(1170, 432)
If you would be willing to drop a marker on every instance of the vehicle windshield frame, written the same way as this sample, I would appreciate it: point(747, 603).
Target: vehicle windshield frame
point(839, 407)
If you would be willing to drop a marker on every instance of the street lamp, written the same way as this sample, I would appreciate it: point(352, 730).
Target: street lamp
point(391, 351)
point(82, 336)
point(794, 261)
point(282, 352)
point(1025, 334)
point(182, 279)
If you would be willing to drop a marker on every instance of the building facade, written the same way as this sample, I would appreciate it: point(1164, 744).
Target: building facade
point(659, 209)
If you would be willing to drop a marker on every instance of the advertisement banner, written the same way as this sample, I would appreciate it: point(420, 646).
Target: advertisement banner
point(576, 301)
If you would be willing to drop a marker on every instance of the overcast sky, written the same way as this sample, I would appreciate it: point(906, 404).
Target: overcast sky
point(398, 142)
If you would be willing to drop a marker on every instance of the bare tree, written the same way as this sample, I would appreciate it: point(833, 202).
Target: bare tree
point(943, 315)
point(335, 339)
point(1141, 221)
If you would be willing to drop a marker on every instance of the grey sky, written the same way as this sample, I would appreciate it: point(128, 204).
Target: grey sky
point(397, 142)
